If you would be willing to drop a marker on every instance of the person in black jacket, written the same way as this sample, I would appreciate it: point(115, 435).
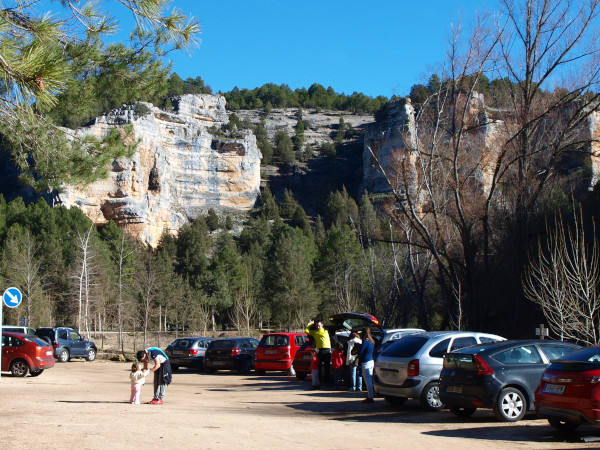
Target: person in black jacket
point(162, 371)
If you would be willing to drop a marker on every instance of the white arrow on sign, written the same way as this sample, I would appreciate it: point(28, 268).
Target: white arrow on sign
point(14, 299)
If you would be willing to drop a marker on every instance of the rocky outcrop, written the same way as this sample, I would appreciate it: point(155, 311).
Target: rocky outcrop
point(389, 143)
point(180, 169)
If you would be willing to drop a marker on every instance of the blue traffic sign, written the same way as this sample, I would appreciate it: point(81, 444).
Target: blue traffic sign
point(12, 297)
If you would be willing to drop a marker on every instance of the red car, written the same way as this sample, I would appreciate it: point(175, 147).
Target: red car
point(23, 353)
point(276, 351)
point(569, 393)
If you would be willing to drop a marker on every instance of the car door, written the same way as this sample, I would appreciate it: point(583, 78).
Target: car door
point(76, 343)
point(10, 346)
point(523, 365)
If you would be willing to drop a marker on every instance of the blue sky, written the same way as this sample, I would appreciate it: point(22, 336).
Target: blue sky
point(379, 48)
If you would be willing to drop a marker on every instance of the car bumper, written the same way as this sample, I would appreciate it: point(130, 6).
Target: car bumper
point(471, 396)
point(186, 362)
point(272, 365)
point(563, 414)
point(411, 388)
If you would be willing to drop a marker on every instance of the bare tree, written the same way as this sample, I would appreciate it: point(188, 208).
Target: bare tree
point(148, 280)
point(563, 279)
point(471, 176)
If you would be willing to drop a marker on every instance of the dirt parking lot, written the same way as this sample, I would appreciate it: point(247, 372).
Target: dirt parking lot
point(85, 405)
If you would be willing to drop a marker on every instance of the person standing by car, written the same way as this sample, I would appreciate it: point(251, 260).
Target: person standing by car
point(365, 357)
point(316, 329)
point(162, 371)
point(314, 369)
point(337, 363)
point(354, 344)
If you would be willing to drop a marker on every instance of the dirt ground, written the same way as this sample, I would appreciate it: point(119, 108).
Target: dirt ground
point(85, 405)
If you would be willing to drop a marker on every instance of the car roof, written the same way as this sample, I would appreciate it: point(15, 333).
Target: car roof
point(285, 333)
point(395, 330)
point(465, 333)
point(493, 346)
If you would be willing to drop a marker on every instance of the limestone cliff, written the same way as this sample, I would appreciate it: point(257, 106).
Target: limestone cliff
point(386, 144)
point(179, 170)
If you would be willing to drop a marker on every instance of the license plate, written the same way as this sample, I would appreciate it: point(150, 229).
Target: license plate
point(48, 353)
point(388, 375)
point(554, 388)
point(177, 352)
point(270, 352)
point(218, 363)
point(455, 389)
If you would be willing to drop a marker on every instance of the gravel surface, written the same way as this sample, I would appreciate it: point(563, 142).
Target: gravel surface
point(84, 405)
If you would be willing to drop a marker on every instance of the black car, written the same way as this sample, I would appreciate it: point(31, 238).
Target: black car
point(67, 343)
point(235, 353)
point(188, 352)
point(502, 376)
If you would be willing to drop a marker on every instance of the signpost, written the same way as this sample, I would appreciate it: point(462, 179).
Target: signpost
point(542, 331)
point(12, 298)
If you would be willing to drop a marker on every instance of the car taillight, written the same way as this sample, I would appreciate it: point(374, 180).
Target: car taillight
point(482, 367)
point(235, 351)
point(412, 370)
point(193, 351)
point(55, 344)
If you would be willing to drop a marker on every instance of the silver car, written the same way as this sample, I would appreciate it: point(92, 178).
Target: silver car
point(410, 367)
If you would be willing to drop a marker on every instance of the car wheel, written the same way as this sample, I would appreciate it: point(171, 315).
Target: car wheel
point(260, 372)
point(19, 368)
point(511, 405)
point(174, 367)
point(245, 366)
point(91, 355)
point(64, 356)
point(301, 375)
point(36, 373)
point(430, 397)
point(563, 425)
point(462, 412)
point(396, 401)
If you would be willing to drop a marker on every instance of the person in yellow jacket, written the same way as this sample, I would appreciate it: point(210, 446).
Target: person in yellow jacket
point(317, 331)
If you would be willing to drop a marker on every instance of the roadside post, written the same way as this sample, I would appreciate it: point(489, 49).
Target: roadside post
point(12, 298)
point(542, 331)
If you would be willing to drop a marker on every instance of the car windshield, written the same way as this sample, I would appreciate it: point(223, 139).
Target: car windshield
point(274, 340)
point(226, 343)
point(405, 347)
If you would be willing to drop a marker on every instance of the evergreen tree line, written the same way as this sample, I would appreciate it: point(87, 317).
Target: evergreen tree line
point(280, 271)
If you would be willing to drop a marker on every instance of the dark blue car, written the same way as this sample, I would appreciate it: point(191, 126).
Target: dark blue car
point(502, 376)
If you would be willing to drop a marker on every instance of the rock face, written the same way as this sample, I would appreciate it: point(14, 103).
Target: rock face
point(180, 169)
point(386, 144)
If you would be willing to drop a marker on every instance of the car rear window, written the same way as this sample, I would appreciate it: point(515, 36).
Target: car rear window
point(37, 341)
point(579, 361)
point(226, 343)
point(405, 347)
point(182, 343)
point(460, 361)
point(274, 340)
